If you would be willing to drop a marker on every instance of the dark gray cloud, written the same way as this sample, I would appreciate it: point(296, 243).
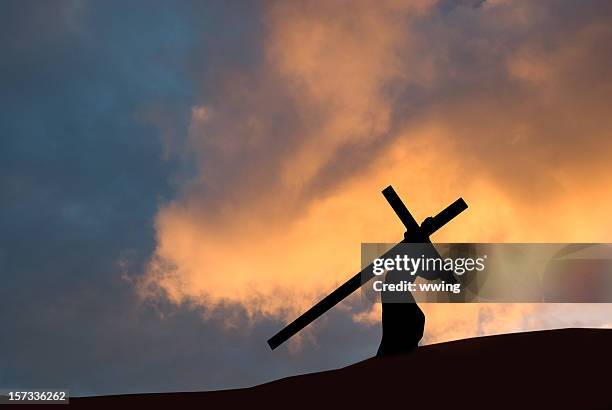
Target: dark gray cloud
point(91, 94)
point(89, 89)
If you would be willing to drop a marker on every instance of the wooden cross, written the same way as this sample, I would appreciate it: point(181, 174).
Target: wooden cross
point(415, 233)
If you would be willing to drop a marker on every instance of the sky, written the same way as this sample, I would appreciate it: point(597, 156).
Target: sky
point(178, 180)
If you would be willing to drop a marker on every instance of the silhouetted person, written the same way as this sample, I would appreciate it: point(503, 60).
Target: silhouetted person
point(402, 327)
point(403, 322)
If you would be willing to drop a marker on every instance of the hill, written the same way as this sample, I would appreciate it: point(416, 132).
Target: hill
point(567, 368)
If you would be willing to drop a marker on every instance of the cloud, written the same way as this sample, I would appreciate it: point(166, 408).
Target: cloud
point(503, 103)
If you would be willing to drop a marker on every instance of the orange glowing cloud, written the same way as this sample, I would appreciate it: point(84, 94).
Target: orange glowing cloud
point(351, 97)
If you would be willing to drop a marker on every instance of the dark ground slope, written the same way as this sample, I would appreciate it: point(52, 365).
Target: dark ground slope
point(570, 368)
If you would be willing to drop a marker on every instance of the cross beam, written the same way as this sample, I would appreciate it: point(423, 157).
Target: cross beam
point(414, 233)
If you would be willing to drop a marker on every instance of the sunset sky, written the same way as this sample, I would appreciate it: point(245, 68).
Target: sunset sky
point(178, 180)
